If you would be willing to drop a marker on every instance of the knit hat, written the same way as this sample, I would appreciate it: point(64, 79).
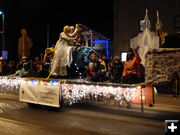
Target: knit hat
point(24, 58)
point(116, 58)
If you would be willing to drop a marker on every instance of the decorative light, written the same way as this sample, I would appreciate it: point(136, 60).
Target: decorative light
point(1, 12)
point(54, 81)
point(101, 42)
point(41, 82)
point(77, 91)
point(73, 93)
point(35, 81)
point(10, 85)
point(138, 87)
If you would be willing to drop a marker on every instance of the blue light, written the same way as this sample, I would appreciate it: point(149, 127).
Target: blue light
point(99, 41)
point(53, 82)
point(34, 80)
point(103, 41)
point(56, 81)
point(1, 12)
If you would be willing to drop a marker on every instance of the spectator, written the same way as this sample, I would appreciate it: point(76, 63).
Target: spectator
point(11, 69)
point(38, 64)
point(4, 67)
point(23, 68)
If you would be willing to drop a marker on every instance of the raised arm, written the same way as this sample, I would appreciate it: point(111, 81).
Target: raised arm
point(74, 34)
point(137, 61)
point(137, 57)
point(63, 35)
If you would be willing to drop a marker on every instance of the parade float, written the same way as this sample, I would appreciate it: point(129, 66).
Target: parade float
point(160, 64)
point(57, 92)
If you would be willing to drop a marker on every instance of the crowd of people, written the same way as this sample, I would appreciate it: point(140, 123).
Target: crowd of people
point(97, 70)
point(102, 69)
point(58, 62)
point(24, 68)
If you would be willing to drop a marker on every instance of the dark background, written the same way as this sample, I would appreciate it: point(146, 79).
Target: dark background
point(37, 15)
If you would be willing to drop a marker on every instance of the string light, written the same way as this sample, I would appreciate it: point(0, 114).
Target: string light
point(77, 91)
point(10, 85)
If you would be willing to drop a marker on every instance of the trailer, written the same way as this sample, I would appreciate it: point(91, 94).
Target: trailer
point(58, 92)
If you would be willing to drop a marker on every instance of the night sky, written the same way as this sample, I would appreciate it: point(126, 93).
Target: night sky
point(36, 15)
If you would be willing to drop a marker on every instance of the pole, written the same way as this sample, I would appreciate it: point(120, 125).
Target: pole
point(176, 88)
point(139, 87)
point(47, 35)
point(3, 35)
point(142, 108)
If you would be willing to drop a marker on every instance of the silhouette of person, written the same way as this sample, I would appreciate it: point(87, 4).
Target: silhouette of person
point(24, 44)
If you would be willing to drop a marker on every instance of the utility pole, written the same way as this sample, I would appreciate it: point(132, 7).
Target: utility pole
point(2, 32)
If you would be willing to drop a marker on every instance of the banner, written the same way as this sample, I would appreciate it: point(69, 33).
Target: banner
point(40, 92)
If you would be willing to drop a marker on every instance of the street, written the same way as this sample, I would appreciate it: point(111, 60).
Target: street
point(17, 118)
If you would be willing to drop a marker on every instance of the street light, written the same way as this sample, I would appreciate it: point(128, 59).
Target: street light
point(2, 32)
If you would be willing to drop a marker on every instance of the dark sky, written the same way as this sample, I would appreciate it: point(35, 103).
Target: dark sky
point(36, 15)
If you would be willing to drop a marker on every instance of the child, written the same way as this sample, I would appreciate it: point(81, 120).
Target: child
point(93, 69)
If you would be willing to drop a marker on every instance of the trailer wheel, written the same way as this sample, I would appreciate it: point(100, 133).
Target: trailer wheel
point(61, 103)
point(31, 105)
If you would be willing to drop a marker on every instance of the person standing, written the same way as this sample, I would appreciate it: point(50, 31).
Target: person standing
point(63, 52)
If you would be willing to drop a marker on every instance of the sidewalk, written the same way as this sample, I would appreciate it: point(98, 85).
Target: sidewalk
point(162, 103)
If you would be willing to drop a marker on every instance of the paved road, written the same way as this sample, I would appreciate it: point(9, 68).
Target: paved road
point(16, 118)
